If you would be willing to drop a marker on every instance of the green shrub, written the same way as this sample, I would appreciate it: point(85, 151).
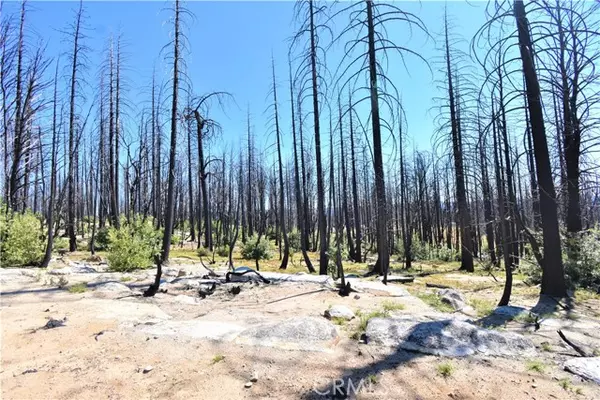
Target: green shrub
point(582, 269)
point(223, 251)
point(78, 288)
point(445, 254)
point(23, 241)
point(100, 240)
point(60, 243)
point(254, 251)
point(419, 250)
point(133, 246)
point(445, 369)
point(202, 252)
point(175, 239)
point(295, 241)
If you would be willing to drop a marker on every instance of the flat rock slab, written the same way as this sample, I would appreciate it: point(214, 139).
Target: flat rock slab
point(14, 275)
point(301, 333)
point(61, 271)
point(198, 329)
point(453, 297)
point(114, 287)
point(587, 367)
point(185, 283)
point(378, 288)
point(123, 311)
point(448, 337)
point(276, 277)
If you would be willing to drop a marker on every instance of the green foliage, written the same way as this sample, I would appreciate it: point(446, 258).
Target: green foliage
point(364, 321)
point(22, 240)
point(202, 252)
point(483, 307)
point(254, 251)
point(60, 243)
point(546, 346)
point(419, 250)
point(175, 239)
point(565, 383)
point(133, 246)
point(100, 240)
point(532, 271)
point(434, 301)
point(536, 366)
point(218, 358)
point(78, 288)
point(392, 306)
point(582, 268)
point(445, 254)
point(445, 369)
point(295, 241)
point(223, 251)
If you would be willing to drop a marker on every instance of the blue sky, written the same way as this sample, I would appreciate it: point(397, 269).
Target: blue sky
point(230, 47)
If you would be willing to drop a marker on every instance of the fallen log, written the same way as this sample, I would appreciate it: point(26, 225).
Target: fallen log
point(578, 347)
point(438, 286)
point(400, 279)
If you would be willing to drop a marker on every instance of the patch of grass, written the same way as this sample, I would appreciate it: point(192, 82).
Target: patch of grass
point(583, 295)
point(526, 318)
point(579, 391)
point(483, 307)
point(78, 288)
point(364, 320)
point(339, 321)
point(445, 369)
point(565, 383)
point(392, 306)
point(372, 379)
point(546, 346)
point(218, 358)
point(125, 278)
point(536, 366)
point(434, 301)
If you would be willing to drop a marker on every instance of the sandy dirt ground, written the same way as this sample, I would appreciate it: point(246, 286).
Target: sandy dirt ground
point(104, 347)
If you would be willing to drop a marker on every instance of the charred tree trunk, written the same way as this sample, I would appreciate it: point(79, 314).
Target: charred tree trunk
point(553, 280)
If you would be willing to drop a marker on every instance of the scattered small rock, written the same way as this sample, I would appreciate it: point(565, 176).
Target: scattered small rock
point(356, 297)
point(254, 377)
point(147, 369)
point(248, 385)
point(454, 298)
point(112, 287)
point(55, 323)
point(534, 386)
point(83, 269)
point(339, 311)
point(29, 371)
point(235, 290)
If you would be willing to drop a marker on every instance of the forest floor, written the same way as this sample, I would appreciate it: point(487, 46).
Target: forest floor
point(116, 344)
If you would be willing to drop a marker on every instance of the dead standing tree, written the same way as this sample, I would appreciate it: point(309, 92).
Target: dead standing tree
point(309, 68)
point(169, 213)
point(373, 18)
